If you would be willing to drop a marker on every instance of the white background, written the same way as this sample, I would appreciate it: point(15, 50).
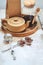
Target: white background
point(3, 3)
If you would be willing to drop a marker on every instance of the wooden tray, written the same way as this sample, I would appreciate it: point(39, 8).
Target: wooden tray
point(27, 32)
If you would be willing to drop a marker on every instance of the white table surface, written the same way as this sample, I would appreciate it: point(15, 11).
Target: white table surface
point(27, 55)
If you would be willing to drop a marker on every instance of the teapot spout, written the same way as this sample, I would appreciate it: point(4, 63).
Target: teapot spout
point(27, 24)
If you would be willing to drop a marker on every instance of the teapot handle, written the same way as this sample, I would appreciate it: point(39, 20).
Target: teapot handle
point(4, 22)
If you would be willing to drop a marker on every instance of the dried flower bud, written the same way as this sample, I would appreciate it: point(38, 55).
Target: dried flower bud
point(28, 41)
point(21, 42)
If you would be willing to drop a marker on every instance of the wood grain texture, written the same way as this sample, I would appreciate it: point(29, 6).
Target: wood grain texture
point(13, 8)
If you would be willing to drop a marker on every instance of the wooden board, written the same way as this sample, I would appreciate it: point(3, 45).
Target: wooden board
point(13, 8)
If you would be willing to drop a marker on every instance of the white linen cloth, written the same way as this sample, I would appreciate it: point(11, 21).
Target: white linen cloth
point(27, 55)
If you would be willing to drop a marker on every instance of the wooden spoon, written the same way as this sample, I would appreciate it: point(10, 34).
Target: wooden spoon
point(37, 10)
